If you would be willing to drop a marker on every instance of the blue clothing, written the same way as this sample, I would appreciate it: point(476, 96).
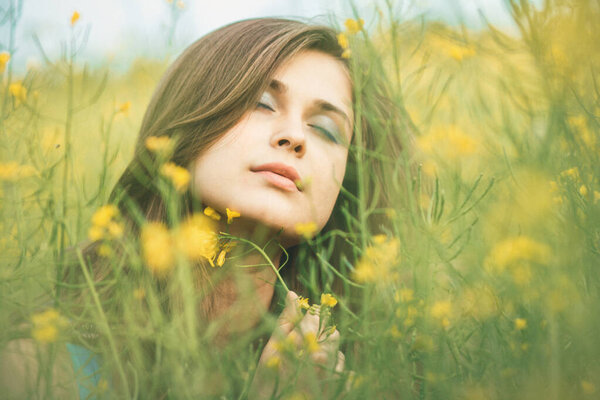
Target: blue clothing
point(87, 370)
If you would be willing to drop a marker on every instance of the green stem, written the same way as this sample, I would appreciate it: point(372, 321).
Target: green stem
point(262, 252)
point(103, 320)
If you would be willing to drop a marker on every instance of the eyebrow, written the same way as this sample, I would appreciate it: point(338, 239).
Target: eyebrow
point(323, 105)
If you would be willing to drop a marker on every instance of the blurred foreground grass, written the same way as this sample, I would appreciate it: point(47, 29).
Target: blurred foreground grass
point(481, 284)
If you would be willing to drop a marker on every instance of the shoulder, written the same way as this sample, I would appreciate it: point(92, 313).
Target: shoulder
point(32, 370)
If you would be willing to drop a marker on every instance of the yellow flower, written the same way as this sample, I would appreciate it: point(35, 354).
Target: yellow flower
point(310, 342)
point(588, 387)
point(139, 294)
point(343, 40)
point(583, 190)
point(459, 52)
point(46, 326)
point(115, 230)
point(347, 53)
point(159, 144)
point(221, 258)
point(104, 215)
point(307, 229)
point(12, 172)
point(157, 248)
point(441, 309)
point(273, 362)
point(520, 324)
point(197, 238)
point(180, 5)
point(104, 250)
point(231, 215)
point(353, 26)
point(513, 251)
point(572, 173)
point(95, 233)
point(124, 108)
point(328, 300)
point(303, 302)
point(74, 18)
point(405, 295)
point(18, 91)
point(212, 213)
point(4, 58)
point(377, 260)
point(179, 176)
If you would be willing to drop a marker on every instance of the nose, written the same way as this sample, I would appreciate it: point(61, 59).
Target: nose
point(290, 137)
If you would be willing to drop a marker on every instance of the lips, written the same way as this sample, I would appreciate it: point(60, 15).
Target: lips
point(280, 175)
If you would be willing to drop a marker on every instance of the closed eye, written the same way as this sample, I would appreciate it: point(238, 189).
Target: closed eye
point(265, 106)
point(328, 135)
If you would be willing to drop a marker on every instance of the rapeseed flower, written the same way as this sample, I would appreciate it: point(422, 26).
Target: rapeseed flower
point(124, 108)
point(328, 300)
point(518, 249)
point(343, 41)
point(12, 172)
point(18, 91)
point(179, 176)
point(104, 215)
point(520, 324)
point(105, 224)
point(221, 258)
point(212, 213)
point(441, 311)
point(197, 239)
point(273, 362)
point(157, 248)
point(162, 145)
point(310, 342)
point(47, 326)
point(74, 18)
point(588, 387)
point(4, 58)
point(354, 26)
point(306, 229)
point(303, 303)
point(231, 215)
point(377, 260)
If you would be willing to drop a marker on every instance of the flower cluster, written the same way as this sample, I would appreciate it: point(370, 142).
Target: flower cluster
point(352, 28)
point(377, 260)
point(105, 226)
point(195, 239)
point(4, 59)
point(12, 172)
point(47, 326)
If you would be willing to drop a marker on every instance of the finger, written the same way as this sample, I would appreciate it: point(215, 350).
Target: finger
point(290, 314)
point(285, 325)
point(341, 362)
point(331, 343)
point(310, 321)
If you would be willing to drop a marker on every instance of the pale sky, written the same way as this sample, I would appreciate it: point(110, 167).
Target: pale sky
point(121, 30)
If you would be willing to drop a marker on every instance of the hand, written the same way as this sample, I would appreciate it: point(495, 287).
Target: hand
point(302, 352)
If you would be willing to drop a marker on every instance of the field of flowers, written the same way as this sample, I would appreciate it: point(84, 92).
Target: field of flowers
point(469, 271)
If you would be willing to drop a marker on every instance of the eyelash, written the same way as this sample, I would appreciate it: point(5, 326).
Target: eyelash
point(325, 132)
point(321, 130)
point(265, 106)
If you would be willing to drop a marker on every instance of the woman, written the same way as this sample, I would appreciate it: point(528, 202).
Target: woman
point(261, 114)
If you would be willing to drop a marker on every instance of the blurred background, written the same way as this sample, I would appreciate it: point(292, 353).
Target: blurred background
point(120, 31)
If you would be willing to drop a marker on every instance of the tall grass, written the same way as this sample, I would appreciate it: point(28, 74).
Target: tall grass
point(469, 271)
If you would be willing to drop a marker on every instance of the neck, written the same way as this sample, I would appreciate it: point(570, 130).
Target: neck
point(243, 294)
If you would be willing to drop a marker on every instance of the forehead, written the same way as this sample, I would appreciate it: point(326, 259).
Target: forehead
point(313, 75)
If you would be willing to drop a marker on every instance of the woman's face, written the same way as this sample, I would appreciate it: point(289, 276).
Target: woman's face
point(283, 163)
